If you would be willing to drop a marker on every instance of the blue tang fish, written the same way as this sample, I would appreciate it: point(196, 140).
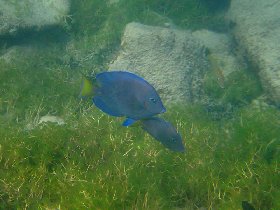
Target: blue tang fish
point(164, 132)
point(121, 93)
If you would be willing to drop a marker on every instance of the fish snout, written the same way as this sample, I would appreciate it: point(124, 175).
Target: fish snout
point(163, 110)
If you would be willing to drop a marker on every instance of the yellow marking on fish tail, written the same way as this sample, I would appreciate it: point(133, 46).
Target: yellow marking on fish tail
point(86, 88)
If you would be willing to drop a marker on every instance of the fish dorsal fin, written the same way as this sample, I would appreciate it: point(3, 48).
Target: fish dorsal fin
point(128, 122)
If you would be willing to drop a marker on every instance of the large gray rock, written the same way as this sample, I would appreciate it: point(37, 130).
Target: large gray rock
point(257, 29)
point(30, 13)
point(172, 60)
point(221, 53)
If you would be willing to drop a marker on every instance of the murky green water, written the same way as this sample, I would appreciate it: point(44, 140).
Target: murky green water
point(58, 151)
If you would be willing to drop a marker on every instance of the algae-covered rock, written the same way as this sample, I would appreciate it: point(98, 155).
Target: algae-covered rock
point(14, 53)
point(221, 51)
point(256, 29)
point(44, 120)
point(170, 59)
point(30, 13)
point(52, 119)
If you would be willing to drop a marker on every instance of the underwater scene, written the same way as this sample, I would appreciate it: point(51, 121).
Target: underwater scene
point(140, 104)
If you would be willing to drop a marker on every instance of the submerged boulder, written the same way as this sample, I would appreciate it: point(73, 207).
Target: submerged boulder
point(221, 51)
point(31, 13)
point(172, 60)
point(256, 29)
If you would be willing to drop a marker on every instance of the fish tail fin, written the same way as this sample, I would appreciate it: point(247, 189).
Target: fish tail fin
point(87, 86)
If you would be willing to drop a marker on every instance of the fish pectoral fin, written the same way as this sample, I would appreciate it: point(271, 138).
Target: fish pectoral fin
point(128, 122)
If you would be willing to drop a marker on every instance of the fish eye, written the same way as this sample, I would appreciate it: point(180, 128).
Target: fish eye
point(153, 100)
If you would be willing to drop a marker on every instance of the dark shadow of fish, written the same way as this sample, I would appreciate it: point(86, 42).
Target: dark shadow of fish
point(164, 132)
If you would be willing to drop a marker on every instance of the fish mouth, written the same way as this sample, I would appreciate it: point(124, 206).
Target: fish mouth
point(163, 110)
